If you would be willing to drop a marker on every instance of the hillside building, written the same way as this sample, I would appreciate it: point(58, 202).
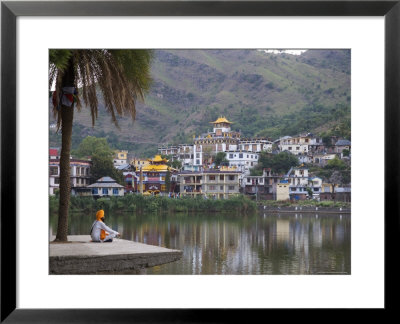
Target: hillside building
point(221, 139)
point(296, 145)
point(255, 145)
point(120, 158)
point(263, 186)
point(243, 160)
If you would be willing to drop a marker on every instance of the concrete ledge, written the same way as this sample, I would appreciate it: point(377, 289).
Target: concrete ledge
point(80, 256)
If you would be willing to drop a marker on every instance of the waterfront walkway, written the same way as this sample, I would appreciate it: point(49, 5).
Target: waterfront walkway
point(81, 256)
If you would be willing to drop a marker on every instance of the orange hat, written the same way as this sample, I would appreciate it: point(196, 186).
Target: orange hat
point(100, 214)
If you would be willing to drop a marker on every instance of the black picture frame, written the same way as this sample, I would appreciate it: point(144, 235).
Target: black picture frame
point(10, 10)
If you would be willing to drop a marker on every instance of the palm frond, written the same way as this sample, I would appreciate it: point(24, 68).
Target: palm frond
point(122, 76)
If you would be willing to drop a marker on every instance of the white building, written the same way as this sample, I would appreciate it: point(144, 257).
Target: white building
point(106, 186)
point(243, 160)
point(315, 184)
point(79, 174)
point(295, 145)
point(298, 176)
point(255, 145)
point(185, 154)
point(120, 158)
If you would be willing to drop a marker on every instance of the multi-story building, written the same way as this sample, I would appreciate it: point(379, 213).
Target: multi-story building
point(211, 183)
point(315, 184)
point(79, 175)
point(221, 139)
point(298, 176)
point(263, 186)
point(298, 183)
point(121, 157)
point(256, 145)
point(185, 154)
point(243, 160)
point(301, 185)
point(296, 145)
point(166, 149)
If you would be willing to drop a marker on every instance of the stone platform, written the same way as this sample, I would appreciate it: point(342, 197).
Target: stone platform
point(81, 256)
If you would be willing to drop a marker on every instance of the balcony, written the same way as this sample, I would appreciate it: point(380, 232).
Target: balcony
point(192, 182)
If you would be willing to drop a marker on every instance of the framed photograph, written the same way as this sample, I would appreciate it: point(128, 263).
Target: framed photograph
point(364, 34)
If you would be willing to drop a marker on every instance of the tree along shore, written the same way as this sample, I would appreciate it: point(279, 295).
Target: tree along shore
point(145, 204)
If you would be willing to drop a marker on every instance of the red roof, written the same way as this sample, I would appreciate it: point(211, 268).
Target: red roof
point(53, 152)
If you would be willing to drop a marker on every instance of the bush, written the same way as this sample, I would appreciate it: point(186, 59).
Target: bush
point(146, 204)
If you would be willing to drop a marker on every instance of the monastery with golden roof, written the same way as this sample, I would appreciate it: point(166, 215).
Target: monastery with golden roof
point(242, 153)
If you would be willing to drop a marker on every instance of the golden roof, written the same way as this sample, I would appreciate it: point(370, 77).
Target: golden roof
point(154, 167)
point(221, 120)
point(158, 158)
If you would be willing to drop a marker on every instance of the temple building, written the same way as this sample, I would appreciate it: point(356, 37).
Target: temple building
point(221, 139)
point(241, 152)
point(154, 176)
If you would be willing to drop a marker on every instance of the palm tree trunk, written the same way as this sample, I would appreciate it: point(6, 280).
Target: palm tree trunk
point(67, 116)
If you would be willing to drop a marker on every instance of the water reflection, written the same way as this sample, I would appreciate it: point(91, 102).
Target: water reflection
point(223, 244)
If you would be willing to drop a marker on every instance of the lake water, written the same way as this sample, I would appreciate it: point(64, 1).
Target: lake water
point(234, 244)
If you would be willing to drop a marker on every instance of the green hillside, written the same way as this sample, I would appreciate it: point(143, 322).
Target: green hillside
point(263, 94)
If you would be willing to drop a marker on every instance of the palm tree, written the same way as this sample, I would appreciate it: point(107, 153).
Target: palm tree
point(122, 77)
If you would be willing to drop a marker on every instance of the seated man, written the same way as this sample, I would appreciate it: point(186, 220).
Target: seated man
point(100, 232)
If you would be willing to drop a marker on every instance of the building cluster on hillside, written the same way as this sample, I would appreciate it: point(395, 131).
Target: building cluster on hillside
point(199, 175)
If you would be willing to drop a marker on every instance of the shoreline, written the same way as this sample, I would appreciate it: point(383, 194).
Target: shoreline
point(303, 209)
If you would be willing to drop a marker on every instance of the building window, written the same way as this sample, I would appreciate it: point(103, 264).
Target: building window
point(248, 180)
point(241, 156)
point(105, 191)
point(211, 187)
point(221, 177)
point(221, 187)
point(197, 161)
point(231, 156)
point(95, 191)
point(197, 155)
point(53, 170)
point(297, 148)
point(231, 177)
point(211, 177)
point(56, 180)
point(115, 191)
point(290, 148)
point(231, 187)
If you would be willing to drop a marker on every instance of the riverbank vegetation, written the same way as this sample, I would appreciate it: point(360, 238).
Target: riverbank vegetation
point(157, 204)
